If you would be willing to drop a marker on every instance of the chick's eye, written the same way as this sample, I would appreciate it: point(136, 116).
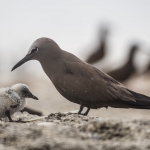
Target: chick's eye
point(34, 50)
point(24, 91)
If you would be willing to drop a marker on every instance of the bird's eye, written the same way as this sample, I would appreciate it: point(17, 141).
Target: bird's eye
point(34, 50)
point(24, 91)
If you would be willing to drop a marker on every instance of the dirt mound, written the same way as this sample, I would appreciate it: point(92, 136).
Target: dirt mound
point(72, 132)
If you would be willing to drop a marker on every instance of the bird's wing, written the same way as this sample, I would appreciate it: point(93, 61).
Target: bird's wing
point(81, 80)
point(13, 96)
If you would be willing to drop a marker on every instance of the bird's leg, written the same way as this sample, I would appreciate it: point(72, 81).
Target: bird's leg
point(86, 113)
point(80, 110)
point(8, 115)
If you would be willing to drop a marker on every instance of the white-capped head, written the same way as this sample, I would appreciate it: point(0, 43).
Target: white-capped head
point(23, 91)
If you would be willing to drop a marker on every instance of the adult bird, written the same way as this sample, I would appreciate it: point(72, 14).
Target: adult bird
point(80, 82)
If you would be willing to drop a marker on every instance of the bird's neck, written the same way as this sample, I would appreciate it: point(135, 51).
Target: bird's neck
point(131, 59)
point(52, 64)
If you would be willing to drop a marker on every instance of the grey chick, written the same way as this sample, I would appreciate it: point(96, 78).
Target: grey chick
point(13, 99)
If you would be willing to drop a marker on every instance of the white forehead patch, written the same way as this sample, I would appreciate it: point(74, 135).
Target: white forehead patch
point(33, 50)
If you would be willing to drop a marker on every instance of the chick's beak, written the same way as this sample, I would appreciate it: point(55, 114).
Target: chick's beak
point(30, 95)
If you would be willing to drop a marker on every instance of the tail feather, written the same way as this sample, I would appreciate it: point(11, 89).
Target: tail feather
point(142, 101)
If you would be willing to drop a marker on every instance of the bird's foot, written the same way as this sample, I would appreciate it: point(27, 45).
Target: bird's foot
point(84, 114)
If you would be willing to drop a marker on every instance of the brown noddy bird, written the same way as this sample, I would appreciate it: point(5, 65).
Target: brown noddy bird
point(80, 82)
point(128, 69)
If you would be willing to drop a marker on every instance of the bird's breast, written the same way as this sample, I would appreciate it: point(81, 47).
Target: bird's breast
point(21, 105)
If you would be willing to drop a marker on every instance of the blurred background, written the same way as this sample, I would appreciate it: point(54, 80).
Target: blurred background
point(113, 36)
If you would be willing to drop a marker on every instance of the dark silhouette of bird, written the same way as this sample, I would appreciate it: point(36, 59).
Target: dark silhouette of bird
point(147, 70)
point(128, 69)
point(80, 82)
point(99, 53)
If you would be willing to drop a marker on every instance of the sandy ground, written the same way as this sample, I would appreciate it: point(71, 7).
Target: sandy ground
point(74, 132)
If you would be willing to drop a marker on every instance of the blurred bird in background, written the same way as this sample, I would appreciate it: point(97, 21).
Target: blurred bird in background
point(128, 69)
point(100, 51)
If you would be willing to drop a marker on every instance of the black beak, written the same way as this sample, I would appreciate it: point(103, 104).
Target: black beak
point(25, 59)
point(30, 95)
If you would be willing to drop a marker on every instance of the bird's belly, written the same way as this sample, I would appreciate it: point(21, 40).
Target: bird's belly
point(90, 104)
point(94, 104)
point(69, 97)
point(81, 94)
point(76, 96)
